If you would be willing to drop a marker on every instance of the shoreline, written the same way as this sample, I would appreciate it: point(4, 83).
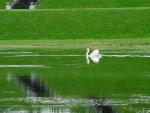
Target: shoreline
point(78, 43)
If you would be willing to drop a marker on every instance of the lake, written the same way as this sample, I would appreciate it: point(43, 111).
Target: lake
point(61, 81)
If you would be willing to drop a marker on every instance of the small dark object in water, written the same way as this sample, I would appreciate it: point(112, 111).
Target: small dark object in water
point(104, 106)
point(105, 109)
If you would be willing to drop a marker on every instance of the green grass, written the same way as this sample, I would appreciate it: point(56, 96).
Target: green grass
point(80, 44)
point(75, 24)
point(47, 4)
point(3, 3)
point(92, 3)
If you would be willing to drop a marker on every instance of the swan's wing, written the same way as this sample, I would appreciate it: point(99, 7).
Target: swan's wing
point(95, 60)
point(95, 52)
point(95, 56)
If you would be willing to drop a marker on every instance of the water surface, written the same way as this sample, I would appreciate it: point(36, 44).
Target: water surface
point(61, 81)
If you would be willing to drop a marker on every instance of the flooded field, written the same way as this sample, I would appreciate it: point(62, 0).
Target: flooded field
point(64, 81)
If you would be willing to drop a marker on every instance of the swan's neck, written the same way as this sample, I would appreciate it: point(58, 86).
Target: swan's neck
point(87, 53)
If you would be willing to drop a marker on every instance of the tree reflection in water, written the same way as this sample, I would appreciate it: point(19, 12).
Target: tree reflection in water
point(34, 86)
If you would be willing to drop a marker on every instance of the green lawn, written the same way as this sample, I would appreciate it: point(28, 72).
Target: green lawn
point(92, 3)
point(48, 4)
point(3, 3)
point(75, 24)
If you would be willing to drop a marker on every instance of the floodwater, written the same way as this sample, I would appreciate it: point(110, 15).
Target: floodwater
point(61, 81)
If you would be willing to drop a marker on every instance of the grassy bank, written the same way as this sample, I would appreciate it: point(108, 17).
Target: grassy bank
point(48, 4)
point(92, 3)
point(109, 23)
point(80, 44)
point(3, 3)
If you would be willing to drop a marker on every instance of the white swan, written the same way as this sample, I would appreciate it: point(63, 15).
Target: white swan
point(94, 56)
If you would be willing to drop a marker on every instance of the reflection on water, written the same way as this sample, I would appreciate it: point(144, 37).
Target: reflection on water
point(63, 83)
point(103, 106)
point(34, 86)
point(63, 109)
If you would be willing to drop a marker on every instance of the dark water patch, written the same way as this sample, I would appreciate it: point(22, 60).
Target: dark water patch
point(34, 86)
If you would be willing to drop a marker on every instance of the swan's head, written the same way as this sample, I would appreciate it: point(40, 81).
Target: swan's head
point(88, 49)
